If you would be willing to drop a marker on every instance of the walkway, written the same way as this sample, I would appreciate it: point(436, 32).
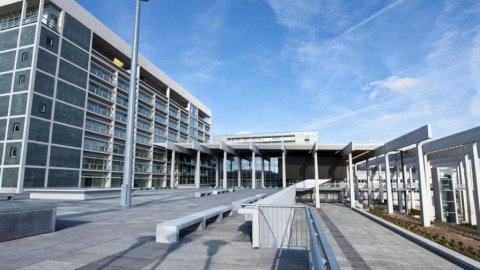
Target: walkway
point(359, 243)
point(99, 234)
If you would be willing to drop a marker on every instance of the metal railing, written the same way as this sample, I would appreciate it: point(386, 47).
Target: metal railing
point(278, 229)
point(295, 227)
point(321, 254)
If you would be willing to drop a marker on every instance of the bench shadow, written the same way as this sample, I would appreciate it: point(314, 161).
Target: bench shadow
point(62, 224)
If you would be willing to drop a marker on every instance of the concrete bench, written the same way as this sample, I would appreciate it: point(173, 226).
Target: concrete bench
point(169, 231)
point(199, 194)
point(219, 191)
point(217, 212)
point(261, 195)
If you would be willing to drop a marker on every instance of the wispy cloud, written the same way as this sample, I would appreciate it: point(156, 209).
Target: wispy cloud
point(371, 80)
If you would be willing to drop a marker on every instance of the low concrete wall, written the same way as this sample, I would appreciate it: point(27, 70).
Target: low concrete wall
point(18, 220)
point(74, 194)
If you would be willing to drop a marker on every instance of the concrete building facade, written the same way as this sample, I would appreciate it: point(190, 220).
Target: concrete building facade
point(64, 80)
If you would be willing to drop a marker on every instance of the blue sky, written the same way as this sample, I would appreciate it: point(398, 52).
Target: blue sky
point(367, 71)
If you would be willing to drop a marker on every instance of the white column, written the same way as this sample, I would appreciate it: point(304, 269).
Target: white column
point(352, 186)
point(369, 183)
point(197, 170)
point(254, 173)
point(461, 200)
point(239, 174)
point(284, 170)
point(404, 177)
point(466, 202)
point(389, 185)
point(470, 202)
point(317, 189)
point(380, 186)
point(422, 185)
point(476, 183)
point(217, 172)
point(172, 171)
point(428, 175)
point(412, 194)
point(262, 184)
point(224, 183)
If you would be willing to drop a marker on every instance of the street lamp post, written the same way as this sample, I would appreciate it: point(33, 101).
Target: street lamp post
point(125, 198)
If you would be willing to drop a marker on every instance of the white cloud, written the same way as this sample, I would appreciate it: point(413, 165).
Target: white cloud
point(392, 84)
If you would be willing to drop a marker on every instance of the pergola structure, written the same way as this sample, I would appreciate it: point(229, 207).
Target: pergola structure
point(457, 151)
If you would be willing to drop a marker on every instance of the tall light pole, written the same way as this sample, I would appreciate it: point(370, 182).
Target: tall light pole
point(125, 197)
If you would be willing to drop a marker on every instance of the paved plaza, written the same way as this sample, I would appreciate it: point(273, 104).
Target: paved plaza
point(99, 234)
point(360, 243)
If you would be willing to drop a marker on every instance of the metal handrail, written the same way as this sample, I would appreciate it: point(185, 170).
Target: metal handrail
point(321, 253)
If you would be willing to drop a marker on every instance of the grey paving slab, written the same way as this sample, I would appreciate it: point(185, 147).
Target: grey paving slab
point(367, 245)
point(99, 234)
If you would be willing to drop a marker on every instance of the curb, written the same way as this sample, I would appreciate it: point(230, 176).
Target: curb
point(453, 256)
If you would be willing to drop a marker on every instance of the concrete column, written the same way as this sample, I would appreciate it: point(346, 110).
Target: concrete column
point(239, 173)
point(217, 172)
point(429, 194)
point(404, 186)
point(380, 186)
point(454, 188)
point(352, 186)
point(224, 184)
point(469, 187)
point(369, 183)
point(461, 200)
point(389, 185)
point(284, 170)
point(197, 170)
point(476, 183)
point(466, 203)
point(254, 172)
point(412, 194)
point(172, 171)
point(422, 185)
point(317, 189)
point(262, 183)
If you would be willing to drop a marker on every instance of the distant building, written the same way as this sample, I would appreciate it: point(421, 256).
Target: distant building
point(64, 80)
point(274, 137)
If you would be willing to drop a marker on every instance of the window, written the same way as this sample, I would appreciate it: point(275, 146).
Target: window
point(42, 107)
point(13, 152)
point(21, 79)
point(50, 41)
point(16, 127)
point(24, 56)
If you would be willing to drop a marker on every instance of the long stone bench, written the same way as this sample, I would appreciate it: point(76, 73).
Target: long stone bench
point(169, 231)
point(199, 194)
point(220, 191)
point(261, 195)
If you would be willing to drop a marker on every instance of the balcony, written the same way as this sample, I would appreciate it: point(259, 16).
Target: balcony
point(98, 109)
point(122, 101)
point(97, 126)
point(96, 145)
point(101, 73)
point(145, 97)
point(160, 106)
point(120, 133)
point(121, 117)
point(99, 91)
